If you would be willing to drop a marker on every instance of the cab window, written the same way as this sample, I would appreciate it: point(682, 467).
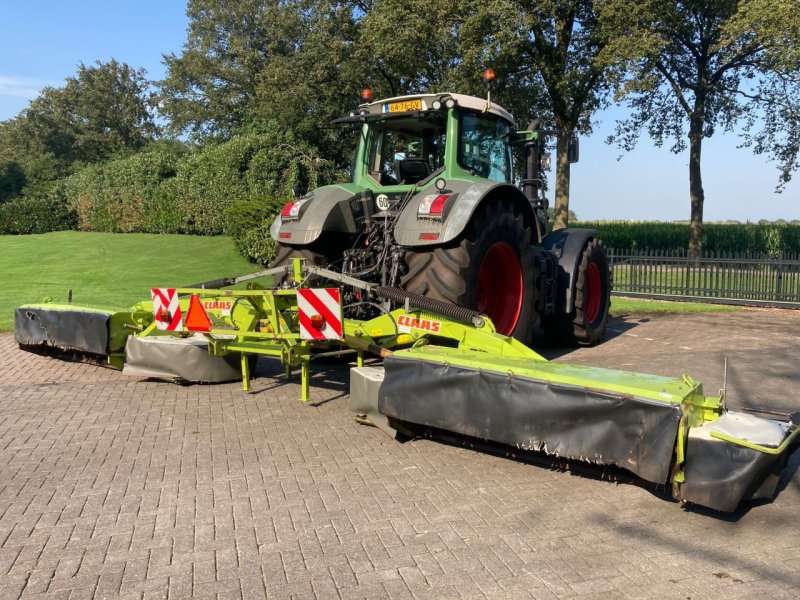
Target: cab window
point(483, 147)
point(405, 151)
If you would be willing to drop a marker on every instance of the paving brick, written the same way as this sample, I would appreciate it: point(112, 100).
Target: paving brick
point(120, 488)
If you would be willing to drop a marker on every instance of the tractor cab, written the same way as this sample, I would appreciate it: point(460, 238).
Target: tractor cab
point(412, 140)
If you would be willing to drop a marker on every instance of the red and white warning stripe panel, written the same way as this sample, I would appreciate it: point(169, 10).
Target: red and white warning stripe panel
point(320, 314)
point(166, 309)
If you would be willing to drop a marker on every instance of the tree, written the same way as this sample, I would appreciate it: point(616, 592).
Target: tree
point(239, 69)
point(330, 85)
point(698, 65)
point(100, 112)
point(211, 87)
point(410, 46)
point(549, 46)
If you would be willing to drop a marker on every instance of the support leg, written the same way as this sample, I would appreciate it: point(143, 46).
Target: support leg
point(245, 372)
point(304, 377)
point(360, 359)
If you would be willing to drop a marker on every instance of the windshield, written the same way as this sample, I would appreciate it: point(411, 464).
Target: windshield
point(406, 150)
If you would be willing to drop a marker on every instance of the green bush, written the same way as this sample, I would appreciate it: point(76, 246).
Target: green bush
point(12, 179)
point(247, 222)
point(35, 215)
point(263, 165)
point(125, 195)
point(771, 239)
point(169, 189)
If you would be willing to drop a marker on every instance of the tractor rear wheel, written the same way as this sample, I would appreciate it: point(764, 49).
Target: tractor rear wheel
point(587, 322)
point(491, 269)
point(285, 255)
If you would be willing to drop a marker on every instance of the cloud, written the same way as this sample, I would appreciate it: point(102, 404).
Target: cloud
point(21, 87)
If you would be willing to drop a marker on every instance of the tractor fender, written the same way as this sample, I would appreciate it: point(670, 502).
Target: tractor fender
point(329, 208)
point(567, 245)
point(468, 197)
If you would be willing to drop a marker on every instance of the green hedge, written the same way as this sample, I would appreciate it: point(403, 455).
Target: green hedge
point(771, 239)
point(169, 189)
point(35, 215)
point(247, 221)
point(126, 195)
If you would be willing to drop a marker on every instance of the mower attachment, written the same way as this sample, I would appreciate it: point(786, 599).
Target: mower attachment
point(444, 367)
point(63, 327)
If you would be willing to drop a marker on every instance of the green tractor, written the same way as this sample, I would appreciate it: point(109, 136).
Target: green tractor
point(433, 208)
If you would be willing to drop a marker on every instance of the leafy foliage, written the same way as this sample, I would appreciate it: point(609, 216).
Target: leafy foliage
point(100, 113)
point(698, 65)
point(771, 239)
point(34, 215)
point(247, 222)
point(126, 195)
point(12, 179)
point(552, 47)
point(210, 89)
point(265, 165)
point(167, 189)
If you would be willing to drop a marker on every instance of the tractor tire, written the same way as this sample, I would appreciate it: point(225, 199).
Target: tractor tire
point(490, 269)
point(586, 324)
point(285, 255)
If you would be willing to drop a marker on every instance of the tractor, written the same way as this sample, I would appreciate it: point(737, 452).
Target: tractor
point(434, 207)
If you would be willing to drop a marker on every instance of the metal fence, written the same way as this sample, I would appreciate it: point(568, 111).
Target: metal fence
point(728, 278)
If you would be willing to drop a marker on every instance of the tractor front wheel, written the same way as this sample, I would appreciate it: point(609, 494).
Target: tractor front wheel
point(587, 322)
point(491, 270)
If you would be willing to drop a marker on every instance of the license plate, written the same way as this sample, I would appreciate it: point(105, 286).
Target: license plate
point(403, 106)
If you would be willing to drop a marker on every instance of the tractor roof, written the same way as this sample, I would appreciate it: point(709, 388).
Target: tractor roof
point(406, 104)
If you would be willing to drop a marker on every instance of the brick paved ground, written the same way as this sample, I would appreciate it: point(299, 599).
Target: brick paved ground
point(114, 487)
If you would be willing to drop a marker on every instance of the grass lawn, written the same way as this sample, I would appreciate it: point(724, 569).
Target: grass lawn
point(107, 270)
point(627, 306)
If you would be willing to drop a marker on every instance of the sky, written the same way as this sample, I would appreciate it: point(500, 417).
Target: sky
point(43, 41)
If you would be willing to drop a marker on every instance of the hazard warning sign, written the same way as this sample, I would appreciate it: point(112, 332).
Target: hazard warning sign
point(320, 314)
point(166, 309)
point(197, 317)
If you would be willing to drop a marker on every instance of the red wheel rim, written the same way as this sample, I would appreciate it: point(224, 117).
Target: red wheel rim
point(499, 293)
point(593, 293)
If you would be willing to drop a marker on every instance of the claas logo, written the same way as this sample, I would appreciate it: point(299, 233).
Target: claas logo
point(221, 305)
point(423, 324)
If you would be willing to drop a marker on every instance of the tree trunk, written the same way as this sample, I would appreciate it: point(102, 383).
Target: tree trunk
point(561, 218)
point(696, 194)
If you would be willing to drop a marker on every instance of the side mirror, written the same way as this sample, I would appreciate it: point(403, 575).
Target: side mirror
point(573, 149)
point(297, 192)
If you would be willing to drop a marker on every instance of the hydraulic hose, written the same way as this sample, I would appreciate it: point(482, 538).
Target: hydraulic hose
point(420, 302)
point(214, 284)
